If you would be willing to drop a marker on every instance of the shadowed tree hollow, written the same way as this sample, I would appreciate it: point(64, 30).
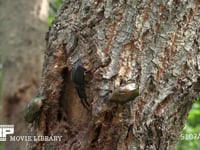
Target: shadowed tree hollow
point(153, 44)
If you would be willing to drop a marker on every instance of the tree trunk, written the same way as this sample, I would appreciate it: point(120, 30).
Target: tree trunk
point(154, 44)
point(22, 45)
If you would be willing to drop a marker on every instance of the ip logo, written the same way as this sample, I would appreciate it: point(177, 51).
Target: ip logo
point(5, 130)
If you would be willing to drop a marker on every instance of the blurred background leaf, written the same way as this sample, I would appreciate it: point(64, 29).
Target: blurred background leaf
point(54, 7)
point(192, 126)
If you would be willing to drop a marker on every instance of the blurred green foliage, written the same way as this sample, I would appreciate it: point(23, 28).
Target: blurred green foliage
point(54, 6)
point(191, 132)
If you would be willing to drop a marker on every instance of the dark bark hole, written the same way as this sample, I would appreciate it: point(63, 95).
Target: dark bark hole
point(97, 133)
point(129, 131)
point(62, 104)
point(70, 108)
point(59, 115)
point(108, 117)
point(115, 2)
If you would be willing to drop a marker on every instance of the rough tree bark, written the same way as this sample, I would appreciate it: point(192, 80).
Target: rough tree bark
point(154, 44)
point(22, 45)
